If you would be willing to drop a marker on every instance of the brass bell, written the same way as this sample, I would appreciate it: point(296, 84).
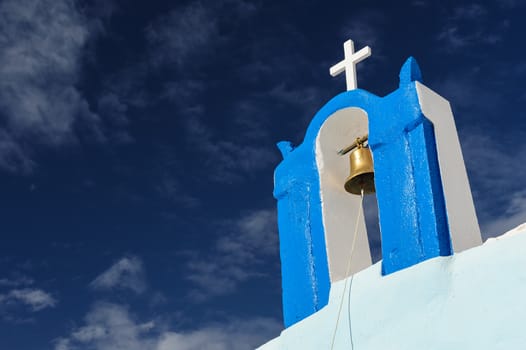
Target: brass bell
point(362, 171)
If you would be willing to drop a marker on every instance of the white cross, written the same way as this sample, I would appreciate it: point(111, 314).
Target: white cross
point(349, 63)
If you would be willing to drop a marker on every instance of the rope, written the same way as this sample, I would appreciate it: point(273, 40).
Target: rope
point(348, 271)
point(349, 312)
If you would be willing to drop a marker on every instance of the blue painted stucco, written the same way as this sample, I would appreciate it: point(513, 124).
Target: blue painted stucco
point(413, 220)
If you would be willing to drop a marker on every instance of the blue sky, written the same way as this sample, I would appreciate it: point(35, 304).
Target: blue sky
point(137, 148)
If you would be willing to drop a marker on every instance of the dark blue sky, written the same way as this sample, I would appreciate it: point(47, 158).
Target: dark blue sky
point(137, 148)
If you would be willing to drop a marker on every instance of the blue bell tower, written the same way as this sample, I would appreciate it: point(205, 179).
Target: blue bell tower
point(424, 201)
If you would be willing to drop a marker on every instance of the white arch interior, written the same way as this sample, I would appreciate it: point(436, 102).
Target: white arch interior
point(339, 208)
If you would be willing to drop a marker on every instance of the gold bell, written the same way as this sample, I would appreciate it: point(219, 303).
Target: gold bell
point(362, 171)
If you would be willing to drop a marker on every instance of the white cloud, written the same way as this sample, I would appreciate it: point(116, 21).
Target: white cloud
point(113, 327)
point(236, 335)
point(63, 344)
point(35, 299)
point(238, 255)
point(41, 48)
point(109, 327)
point(127, 273)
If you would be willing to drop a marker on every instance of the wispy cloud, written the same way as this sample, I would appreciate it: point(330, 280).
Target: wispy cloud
point(13, 156)
point(113, 327)
point(467, 25)
point(229, 159)
point(109, 327)
point(17, 281)
point(234, 335)
point(32, 298)
point(126, 274)
point(239, 254)
point(35, 299)
point(488, 115)
point(419, 3)
point(366, 28)
point(187, 33)
point(496, 178)
point(20, 299)
point(41, 47)
point(184, 33)
point(510, 4)
point(363, 28)
point(184, 42)
point(181, 46)
point(512, 215)
point(169, 187)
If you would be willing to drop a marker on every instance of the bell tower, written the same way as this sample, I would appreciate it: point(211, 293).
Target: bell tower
point(424, 199)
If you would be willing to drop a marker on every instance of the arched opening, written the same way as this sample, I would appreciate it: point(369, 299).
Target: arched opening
point(339, 208)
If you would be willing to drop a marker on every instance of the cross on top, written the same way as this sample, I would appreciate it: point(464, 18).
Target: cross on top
point(349, 63)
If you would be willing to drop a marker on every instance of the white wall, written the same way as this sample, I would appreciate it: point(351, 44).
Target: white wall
point(471, 300)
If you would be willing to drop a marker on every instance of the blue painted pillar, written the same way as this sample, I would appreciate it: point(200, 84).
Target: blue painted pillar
point(304, 265)
point(413, 218)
